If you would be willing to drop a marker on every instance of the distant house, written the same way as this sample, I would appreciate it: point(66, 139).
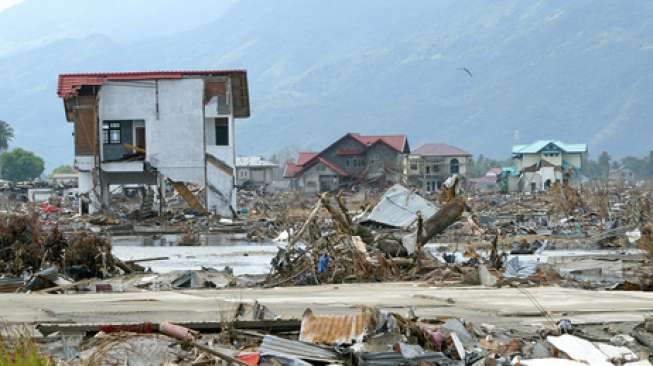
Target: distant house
point(163, 129)
point(488, 182)
point(254, 170)
point(352, 159)
point(65, 179)
point(545, 162)
point(431, 164)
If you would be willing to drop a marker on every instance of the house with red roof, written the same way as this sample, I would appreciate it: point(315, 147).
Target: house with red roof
point(430, 165)
point(352, 159)
point(162, 129)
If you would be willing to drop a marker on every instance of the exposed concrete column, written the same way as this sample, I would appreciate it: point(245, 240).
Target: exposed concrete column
point(105, 193)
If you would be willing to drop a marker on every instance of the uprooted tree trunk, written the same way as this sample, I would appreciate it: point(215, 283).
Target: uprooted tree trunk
point(343, 220)
point(433, 226)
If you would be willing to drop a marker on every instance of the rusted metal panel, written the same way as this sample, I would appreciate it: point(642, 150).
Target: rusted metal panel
point(84, 110)
point(336, 329)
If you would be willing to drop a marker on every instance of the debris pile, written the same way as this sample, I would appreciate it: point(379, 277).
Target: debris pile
point(45, 258)
point(367, 337)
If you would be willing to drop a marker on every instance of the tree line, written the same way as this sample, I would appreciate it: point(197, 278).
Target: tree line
point(18, 164)
point(600, 169)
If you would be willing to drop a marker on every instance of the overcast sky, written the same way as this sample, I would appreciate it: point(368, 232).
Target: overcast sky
point(4, 4)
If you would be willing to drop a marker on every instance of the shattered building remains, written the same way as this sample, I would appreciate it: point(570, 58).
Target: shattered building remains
point(170, 128)
point(352, 159)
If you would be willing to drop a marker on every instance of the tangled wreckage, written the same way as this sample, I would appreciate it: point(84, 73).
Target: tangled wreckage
point(600, 237)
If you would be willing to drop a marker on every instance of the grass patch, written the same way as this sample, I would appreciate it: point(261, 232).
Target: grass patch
point(18, 348)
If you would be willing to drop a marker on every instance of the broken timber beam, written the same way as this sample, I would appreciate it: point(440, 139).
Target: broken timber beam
point(274, 326)
point(186, 194)
point(220, 165)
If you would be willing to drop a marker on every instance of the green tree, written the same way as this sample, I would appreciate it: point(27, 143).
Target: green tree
point(6, 135)
point(19, 165)
point(63, 169)
point(638, 166)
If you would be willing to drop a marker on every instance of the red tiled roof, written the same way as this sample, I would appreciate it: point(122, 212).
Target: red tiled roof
point(291, 170)
point(440, 150)
point(69, 84)
point(494, 171)
point(305, 157)
point(397, 142)
point(350, 151)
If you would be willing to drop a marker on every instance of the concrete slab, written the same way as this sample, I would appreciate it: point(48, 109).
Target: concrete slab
point(493, 305)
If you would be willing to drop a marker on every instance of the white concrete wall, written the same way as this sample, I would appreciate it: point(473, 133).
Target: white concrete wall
point(555, 160)
point(174, 137)
point(219, 202)
point(179, 135)
point(527, 160)
point(574, 159)
point(86, 165)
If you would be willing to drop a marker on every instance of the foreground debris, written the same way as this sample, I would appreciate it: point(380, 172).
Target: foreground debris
point(369, 337)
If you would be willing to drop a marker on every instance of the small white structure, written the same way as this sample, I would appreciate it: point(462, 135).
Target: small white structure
point(254, 170)
point(157, 129)
point(65, 179)
point(39, 194)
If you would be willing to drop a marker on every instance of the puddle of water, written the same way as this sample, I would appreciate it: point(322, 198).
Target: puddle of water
point(242, 257)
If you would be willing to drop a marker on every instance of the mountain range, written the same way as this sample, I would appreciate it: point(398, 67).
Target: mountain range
point(477, 74)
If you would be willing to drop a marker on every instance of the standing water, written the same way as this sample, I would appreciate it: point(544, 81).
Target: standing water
point(215, 251)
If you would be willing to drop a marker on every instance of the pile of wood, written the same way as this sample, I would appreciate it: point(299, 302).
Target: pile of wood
point(336, 249)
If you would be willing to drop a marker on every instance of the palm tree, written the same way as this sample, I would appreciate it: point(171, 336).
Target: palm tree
point(6, 135)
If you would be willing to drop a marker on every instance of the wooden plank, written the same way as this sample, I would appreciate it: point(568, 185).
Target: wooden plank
point(213, 88)
point(276, 326)
point(220, 165)
point(85, 126)
point(138, 149)
point(188, 196)
point(240, 96)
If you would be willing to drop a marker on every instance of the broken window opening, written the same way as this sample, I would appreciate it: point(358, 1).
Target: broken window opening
point(111, 133)
point(454, 166)
point(222, 131)
point(223, 105)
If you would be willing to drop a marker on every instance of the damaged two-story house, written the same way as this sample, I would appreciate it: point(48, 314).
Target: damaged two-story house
point(430, 165)
point(162, 129)
point(352, 159)
point(545, 162)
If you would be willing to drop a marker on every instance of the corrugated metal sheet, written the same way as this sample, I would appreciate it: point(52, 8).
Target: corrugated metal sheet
point(335, 329)
point(398, 207)
point(272, 345)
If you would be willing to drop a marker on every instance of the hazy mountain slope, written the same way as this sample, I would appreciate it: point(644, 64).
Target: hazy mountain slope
point(579, 71)
point(34, 23)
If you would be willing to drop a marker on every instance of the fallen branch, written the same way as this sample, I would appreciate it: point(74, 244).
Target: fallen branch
point(436, 224)
point(299, 234)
